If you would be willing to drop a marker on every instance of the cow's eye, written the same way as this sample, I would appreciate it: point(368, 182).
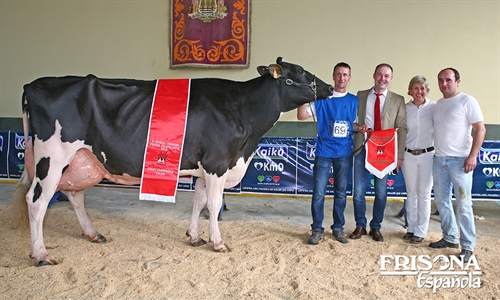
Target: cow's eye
point(300, 71)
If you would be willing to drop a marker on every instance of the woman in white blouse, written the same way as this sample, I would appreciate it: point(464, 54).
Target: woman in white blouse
point(417, 166)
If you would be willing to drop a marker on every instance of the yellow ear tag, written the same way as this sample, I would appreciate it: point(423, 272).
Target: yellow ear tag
point(275, 71)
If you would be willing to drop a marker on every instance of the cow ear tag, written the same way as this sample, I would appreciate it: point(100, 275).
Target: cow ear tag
point(276, 71)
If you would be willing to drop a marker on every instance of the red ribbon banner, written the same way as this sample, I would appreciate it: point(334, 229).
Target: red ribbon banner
point(165, 139)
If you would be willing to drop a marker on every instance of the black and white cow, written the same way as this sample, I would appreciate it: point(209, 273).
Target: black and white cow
point(85, 129)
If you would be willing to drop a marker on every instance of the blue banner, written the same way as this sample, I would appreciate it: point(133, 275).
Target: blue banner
point(486, 182)
point(285, 166)
point(4, 150)
point(273, 167)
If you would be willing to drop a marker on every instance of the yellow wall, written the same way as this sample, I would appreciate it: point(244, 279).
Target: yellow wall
point(130, 39)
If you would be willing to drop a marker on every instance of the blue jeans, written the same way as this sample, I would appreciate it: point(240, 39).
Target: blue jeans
point(448, 171)
point(341, 169)
point(361, 175)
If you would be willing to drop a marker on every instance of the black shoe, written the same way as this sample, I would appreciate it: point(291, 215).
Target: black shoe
point(416, 239)
point(443, 244)
point(357, 233)
point(465, 255)
point(376, 235)
point(315, 238)
point(408, 236)
point(339, 236)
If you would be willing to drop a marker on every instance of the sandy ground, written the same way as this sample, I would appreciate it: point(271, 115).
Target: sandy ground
point(149, 257)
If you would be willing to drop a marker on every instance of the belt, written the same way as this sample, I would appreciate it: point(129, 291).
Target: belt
point(419, 151)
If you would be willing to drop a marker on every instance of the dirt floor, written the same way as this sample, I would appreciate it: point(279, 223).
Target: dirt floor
point(148, 256)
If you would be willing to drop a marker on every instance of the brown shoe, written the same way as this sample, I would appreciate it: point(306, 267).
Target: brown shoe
point(376, 235)
point(408, 236)
point(357, 233)
point(416, 240)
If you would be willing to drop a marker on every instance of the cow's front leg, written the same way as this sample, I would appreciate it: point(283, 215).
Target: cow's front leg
point(214, 205)
point(199, 201)
point(215, 189)
point(77, 201)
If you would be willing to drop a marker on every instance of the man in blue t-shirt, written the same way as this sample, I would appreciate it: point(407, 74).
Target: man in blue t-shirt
point(336, 117)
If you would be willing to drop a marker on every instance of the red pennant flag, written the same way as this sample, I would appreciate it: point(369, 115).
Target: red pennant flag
point(165, 139)
point(382, 152)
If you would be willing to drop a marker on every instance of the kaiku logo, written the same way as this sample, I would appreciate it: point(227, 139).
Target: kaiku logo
point(489, 156)
point(310, 151)
point(272, 151)
point(19, 142)
point(491, 172)
point(444, 272)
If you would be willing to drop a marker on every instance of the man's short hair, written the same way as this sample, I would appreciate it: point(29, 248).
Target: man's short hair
point(457, 75)
point(343, 65)
point(384, 65)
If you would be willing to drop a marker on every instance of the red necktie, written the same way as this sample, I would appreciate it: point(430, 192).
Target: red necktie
point(376, 114)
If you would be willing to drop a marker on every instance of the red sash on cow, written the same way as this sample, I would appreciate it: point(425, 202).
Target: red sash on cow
point(165, 139)
point(382, 152)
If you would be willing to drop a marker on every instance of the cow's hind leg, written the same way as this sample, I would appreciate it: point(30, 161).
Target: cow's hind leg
point(77, 201)
point(199, 201)
point(41, 191)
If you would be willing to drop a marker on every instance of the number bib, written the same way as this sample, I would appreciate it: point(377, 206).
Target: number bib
point(338, 129)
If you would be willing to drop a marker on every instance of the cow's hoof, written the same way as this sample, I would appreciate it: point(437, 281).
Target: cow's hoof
point(223, 249)
point(199, 242)
point(49, 262)
point(99, 239)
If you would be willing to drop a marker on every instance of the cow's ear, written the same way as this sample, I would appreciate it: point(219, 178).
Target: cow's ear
point(276, 71)
point(262, 70)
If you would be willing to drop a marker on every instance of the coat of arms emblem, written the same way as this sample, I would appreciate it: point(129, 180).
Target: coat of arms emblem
point(207, 10)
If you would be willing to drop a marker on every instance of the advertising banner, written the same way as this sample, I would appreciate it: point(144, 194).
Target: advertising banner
point(486, 182)
point(285, 166)
point(15, 154)
point(273, 168)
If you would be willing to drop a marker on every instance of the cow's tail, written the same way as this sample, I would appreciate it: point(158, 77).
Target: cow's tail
point(19, 206)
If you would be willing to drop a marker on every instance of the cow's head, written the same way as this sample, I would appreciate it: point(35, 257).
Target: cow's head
point(299, 85)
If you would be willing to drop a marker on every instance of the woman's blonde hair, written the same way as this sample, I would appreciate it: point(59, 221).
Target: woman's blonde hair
point(418, 79)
